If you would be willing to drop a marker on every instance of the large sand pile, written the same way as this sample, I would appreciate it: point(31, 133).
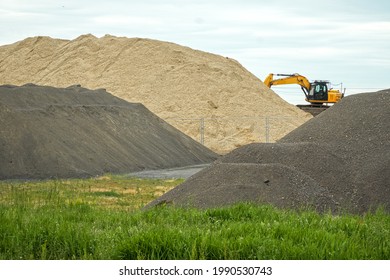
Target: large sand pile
point(74, 132)
point(339, 160)
point(172, 81)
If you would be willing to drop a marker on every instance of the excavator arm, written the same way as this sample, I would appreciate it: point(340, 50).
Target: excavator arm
point(288, 79)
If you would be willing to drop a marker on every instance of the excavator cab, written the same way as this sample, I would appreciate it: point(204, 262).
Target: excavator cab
point(318, 92)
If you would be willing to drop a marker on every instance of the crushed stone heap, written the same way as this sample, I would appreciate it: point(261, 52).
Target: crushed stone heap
point(179, 84)
point(49, 132)
point(338, 161)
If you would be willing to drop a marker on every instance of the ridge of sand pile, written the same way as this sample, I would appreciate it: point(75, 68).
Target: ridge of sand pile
point(172, 81)
point(76, 132)
point(339, 160)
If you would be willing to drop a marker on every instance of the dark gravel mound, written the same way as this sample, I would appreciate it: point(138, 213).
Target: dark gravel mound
point(75, 132)
point(358, 130)
point(338, 161)
point(357, 124)
point(227, 183)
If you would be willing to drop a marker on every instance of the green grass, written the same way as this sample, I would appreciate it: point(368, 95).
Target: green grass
point(99, 219)
point(105, 192)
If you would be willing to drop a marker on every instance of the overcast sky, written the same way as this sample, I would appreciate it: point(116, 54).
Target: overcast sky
point(344, 41)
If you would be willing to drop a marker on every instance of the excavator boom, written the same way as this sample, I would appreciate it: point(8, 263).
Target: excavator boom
point(288, 79)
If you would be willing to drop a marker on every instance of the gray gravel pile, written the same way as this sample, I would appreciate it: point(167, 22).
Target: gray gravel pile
point(338, 161)
point(48, 132)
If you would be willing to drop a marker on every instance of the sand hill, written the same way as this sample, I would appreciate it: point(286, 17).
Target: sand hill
point(49, 132)
point(179, 84)
point(339, 160)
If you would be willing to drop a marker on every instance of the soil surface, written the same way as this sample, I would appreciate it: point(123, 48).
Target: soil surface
point(179, 84)
point(338, 161)
point(49, 132)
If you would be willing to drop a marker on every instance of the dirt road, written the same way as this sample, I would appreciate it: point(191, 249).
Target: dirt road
point(170, 173)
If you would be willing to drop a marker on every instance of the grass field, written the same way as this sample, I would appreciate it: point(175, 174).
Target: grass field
point(100, 219)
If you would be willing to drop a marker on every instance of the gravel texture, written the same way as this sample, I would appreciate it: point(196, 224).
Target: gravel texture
point(49, 132)
point(338, 161)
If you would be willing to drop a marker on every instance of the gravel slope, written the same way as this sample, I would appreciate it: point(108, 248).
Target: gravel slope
point(74, 132)
point(339, 160)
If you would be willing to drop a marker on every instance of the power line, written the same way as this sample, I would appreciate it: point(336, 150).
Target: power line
point(368, 88)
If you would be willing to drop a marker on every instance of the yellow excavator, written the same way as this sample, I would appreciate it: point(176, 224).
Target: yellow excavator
point(316, 93)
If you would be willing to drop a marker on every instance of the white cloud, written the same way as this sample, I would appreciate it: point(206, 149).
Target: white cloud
point(126, 20)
